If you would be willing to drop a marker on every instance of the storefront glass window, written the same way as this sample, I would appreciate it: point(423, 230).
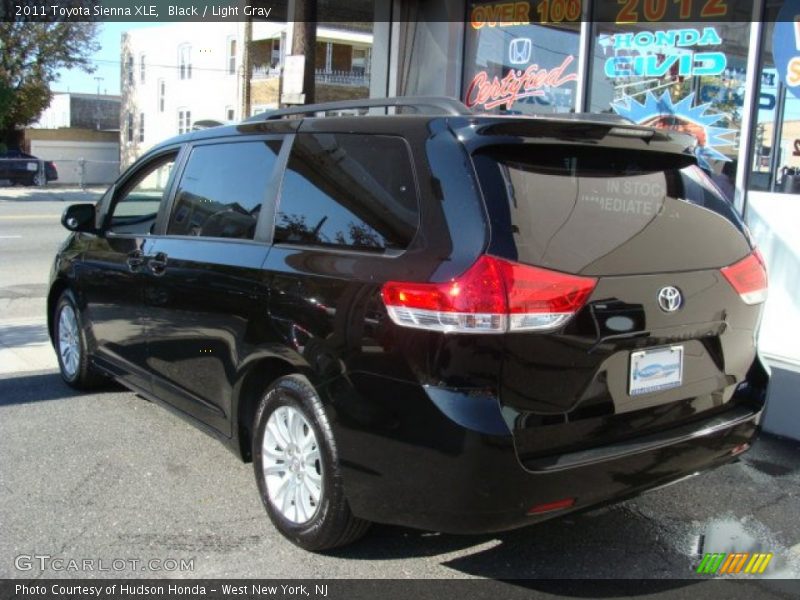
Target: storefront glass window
point(524, 62)
point(430, 48)
point(775, 167)
point(676, 71)
point(776, 140)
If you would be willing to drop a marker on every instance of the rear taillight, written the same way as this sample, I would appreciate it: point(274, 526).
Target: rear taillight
point(749, 278)
point(492, 296)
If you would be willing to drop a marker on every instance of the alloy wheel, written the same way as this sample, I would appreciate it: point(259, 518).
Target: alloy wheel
point(292, 465)
point(69, 341)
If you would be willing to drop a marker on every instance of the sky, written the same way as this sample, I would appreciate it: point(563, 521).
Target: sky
point(106, 60)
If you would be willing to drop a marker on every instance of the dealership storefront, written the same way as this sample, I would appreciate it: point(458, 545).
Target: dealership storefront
point(727, 71)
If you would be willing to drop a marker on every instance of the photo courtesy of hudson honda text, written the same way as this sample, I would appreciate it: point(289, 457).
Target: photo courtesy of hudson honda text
point(171, 589)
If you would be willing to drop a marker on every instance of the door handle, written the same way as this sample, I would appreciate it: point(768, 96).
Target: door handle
point(158, 264)
point(135, 259)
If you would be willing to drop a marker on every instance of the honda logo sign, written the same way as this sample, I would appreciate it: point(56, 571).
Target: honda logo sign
point(519, 51)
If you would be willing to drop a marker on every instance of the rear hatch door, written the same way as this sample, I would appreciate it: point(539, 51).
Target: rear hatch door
point(664, 338)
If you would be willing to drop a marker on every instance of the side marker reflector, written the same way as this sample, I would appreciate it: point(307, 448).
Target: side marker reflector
point(552, 506)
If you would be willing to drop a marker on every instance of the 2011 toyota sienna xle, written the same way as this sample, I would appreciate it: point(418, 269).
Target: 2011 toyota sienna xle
point(432, 318)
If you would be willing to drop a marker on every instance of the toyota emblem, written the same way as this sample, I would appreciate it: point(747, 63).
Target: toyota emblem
point(670, 299)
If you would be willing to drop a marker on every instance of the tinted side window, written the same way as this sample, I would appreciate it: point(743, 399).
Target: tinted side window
point(222, 188)
point(136, 205)
point(348, 190)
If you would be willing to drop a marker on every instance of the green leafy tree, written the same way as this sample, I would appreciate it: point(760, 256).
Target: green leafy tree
point(31, 54)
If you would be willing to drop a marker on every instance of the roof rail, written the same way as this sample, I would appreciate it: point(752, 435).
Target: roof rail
point(448, 106)
point(206, 124)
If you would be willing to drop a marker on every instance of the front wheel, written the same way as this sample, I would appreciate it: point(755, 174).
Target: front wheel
point(297, 468)
point(70, 345)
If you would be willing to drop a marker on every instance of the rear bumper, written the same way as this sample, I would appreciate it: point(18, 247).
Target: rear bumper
point(738, 415)
point(447, 467)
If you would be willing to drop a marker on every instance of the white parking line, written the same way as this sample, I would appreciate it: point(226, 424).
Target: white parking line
point(10, 237)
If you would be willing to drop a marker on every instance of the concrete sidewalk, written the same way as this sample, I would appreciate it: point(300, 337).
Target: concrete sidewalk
point(25, 346)
point(52, 192)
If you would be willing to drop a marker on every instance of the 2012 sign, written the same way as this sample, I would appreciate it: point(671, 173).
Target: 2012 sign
point(664, 11)
point(633, 11)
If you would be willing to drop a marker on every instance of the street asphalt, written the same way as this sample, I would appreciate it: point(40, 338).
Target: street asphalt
point(111, 476)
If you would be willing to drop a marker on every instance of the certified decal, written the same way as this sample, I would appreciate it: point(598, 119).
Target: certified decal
point(516, 84)
point(663, 113)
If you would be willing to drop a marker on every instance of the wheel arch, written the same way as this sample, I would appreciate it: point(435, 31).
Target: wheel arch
point(56, 289)
point(256, 376)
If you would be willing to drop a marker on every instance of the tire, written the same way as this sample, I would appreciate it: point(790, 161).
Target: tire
point(292, 463)
point(71, 347)
point(39, 180)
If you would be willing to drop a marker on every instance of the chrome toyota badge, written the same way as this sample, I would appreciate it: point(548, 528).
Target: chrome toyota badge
point(670, 299)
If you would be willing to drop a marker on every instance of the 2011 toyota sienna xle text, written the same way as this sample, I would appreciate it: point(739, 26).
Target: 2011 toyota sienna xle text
point(431, 318)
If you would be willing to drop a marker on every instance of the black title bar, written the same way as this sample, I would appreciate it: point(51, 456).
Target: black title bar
point(501, 13)
point(390, 589)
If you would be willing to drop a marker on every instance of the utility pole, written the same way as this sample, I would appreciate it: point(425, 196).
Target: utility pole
point(304, 40)
point(97, 104)
point(247, 70)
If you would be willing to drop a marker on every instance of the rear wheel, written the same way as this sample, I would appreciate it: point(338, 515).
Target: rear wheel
point(297, 468)
point(70, 345)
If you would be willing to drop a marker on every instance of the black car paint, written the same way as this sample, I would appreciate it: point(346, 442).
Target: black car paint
point(448, 432)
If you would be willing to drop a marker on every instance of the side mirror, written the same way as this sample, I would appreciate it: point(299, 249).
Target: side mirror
point(79, 217)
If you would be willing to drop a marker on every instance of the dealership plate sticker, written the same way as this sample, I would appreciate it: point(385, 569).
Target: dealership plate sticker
point(656, 370)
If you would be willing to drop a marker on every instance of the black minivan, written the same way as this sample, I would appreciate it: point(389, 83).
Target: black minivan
point(431, 318)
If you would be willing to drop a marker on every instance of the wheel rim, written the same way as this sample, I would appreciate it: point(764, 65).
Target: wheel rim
point(68, 341)
point(38, 179)
point(292, 465)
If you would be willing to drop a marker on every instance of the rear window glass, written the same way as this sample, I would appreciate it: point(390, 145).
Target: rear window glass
point(569, 206)
point(350, 191)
